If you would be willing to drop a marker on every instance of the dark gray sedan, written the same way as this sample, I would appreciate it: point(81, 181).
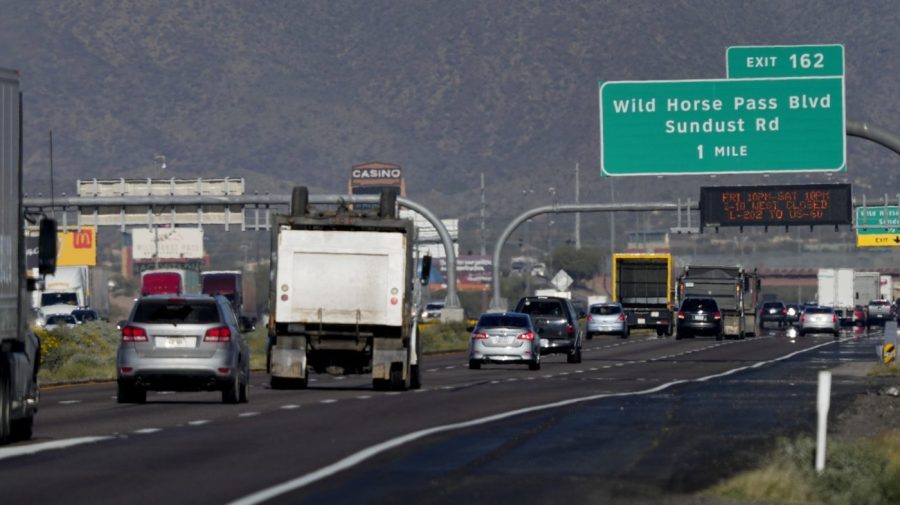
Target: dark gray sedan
point(185, 343)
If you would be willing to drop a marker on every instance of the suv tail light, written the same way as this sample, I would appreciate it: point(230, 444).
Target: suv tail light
point(480, 336)
point(834, 318)
point(803, 318)
point(590, 318)
point(621, 317)
point(220, 334)
point(784, 311)
point(680, 314)
point(570, 330)
point(717, 315)
point(526, 336)
point(134, 334)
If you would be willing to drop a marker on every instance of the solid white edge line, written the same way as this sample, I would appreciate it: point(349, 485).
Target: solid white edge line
point(11, 452)
point(357, 458)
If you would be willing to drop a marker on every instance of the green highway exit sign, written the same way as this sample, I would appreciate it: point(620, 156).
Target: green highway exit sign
point(877, 220)
point(722, 126)
point(785, 61)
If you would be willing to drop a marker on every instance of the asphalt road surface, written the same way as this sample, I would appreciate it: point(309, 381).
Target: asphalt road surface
point(637, 420)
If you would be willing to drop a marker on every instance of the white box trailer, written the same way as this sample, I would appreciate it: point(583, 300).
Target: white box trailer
point(835, 288)
point(344, 297)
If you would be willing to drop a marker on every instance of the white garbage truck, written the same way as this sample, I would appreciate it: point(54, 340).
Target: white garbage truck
point(19, 347)
point(344, 295)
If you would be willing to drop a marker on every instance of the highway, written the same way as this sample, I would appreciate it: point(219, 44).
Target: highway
point(639, 418)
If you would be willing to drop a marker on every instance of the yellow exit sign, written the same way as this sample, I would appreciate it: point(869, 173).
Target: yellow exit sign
point(881, 240)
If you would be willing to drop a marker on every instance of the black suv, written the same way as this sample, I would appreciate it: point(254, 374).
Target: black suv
point(773, 312)
point(556, 322)
point(699, 316)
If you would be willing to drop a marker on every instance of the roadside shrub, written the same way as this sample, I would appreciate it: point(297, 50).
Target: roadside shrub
point(85, 352)
point(444, 337)
point(857, 472)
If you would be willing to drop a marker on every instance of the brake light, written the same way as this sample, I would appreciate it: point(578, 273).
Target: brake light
point(621, 317)
point(134, 334)
point(590, 318)
point(480, 336)
point(717, 315)
point(526, 336)
point(834, 318)
point(220, 334)
point(680, 314)
point(784, 312)
point(803, 318)
point(570, 330)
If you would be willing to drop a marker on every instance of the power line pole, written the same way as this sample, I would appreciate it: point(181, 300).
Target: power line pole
point(577, 214)
point(483, 245)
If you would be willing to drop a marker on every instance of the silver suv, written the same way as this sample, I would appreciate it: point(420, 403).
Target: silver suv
point(183, 343)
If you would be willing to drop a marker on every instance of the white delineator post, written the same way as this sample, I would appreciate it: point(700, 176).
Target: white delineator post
point(822, 403)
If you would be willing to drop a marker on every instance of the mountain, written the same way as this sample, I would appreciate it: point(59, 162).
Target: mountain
point(285, 92)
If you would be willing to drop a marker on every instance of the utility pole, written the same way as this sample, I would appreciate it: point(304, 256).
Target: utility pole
point(577, 214)
point(483, 246)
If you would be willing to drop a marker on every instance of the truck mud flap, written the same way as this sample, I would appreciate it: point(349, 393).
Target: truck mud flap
point(385, 353)
point(289, 358)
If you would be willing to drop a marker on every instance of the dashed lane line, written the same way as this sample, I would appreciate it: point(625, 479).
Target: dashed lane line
point(366, 454)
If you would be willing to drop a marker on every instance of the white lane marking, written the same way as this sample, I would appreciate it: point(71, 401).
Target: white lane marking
point(329, 400)
point(248, 414)
point(363, 397)
point(365, 454)
point(198, 422)
point(165, 393)
point(339, 378)
point(593, 369)
point(512, 379)
point(69, 402)
point(607, 366)
point(393, 393)
point(579, 371)
point(495, 382)
point(563, 373)
point(548, 376)
point(290, 406)
point(529, 378)
point(12, 452)
point(450, 367)
point(420, 390)
point(146, 431)
point(432, 370)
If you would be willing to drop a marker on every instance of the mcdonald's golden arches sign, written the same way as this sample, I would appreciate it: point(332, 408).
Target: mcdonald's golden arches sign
point(77, 248)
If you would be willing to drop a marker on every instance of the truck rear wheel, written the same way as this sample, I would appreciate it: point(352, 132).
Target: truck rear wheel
point(415, 382)
point(5, 404)
point(397, 381)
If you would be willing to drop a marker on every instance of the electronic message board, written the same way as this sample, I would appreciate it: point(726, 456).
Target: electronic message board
point(786, 205)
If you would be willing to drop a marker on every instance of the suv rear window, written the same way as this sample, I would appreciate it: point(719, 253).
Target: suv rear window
point(693, 304)
point(773, 305)
point(605, 310)
point(542, 307)
point(176, 312)
point(502, 321)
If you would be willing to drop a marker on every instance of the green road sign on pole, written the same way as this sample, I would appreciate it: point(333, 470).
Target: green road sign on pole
point(877, 220)
point(785, 61)
point(722, 126)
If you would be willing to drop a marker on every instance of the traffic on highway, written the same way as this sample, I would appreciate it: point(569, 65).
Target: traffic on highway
point(449, 253)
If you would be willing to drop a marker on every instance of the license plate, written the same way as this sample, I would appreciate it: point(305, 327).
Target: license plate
point(771, 311)
point(654, 314)
point(545, 342)
point(641, 320)
point(175, 342)
point(698, 317)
